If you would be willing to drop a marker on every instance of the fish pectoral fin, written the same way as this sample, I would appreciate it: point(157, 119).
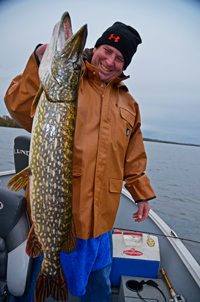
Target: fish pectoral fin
point(69, 245)
point(56, 286)
point(19, 180)
point(35, 101)
point(33, 246)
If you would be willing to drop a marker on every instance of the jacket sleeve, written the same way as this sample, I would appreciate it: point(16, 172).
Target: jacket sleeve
point(137, 182)
point(21, 92)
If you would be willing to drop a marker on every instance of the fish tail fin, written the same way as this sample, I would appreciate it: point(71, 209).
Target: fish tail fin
point(56, 286)
point(33, 246)
point(19, 180)
point(35, 101)
point(70, 243)
point(59, 287)
point(42, 288)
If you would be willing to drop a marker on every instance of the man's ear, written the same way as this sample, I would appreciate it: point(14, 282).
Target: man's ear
point(94, 50)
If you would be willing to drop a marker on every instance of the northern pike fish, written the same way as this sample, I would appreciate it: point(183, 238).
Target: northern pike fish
point(51, 158)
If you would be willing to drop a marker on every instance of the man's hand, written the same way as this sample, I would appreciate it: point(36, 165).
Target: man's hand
point(40, 51)
point(142, 212)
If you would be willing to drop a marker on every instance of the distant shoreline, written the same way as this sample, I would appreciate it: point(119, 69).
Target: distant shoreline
point(168, 142)
point(144, 139)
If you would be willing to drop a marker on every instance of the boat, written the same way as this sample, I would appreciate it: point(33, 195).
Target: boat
point(150, 262)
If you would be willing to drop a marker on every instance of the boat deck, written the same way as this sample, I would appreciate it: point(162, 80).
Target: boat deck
point(181, 268)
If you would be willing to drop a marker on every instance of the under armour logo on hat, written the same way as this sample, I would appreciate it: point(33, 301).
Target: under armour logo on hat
point(112, 37)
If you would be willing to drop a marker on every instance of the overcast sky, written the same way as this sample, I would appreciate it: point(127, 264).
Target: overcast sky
point(164, 73)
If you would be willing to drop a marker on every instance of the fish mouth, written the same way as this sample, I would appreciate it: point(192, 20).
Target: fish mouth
point(61, 65)
point(67, 67)
point(75, 45)
point(82, 35)
point(64, 31)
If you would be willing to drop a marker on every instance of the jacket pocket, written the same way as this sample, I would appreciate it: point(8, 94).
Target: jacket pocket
point(128, 116)
point(115, 185)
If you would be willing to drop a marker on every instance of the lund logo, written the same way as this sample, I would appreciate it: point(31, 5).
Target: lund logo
point(112, 37)
point(23, 152)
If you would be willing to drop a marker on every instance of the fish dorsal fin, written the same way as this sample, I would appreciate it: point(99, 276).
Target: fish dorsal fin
point(61, 33)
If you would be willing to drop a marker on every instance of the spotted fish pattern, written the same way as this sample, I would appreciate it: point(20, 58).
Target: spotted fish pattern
point(51, 159)
point(51, 189)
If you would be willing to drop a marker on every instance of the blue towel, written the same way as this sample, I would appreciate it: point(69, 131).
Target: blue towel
point(90, 255)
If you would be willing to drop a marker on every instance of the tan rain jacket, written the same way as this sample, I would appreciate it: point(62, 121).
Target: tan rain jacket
point(108, 146)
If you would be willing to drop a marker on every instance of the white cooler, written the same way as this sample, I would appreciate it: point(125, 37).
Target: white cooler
point(134, 254)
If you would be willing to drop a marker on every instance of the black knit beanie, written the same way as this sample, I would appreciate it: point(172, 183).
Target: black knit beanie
point(123, 37)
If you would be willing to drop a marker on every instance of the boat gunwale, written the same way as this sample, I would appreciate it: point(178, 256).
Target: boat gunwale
point(4, 173)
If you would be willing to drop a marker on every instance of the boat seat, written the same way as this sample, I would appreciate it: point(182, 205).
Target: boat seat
point(15, 265)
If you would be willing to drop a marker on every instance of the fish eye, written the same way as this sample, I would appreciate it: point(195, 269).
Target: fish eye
point(1, 205)
point(76, 66)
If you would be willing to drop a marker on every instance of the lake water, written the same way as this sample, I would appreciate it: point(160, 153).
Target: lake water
point(174, 174)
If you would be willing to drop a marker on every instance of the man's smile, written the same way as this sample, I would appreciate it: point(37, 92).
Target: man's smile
point(104, 68)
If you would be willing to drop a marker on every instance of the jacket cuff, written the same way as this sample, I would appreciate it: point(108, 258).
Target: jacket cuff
point(36, 57)
point(140, 189)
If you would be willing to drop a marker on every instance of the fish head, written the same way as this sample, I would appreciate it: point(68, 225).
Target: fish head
point(62, 31)
point(61, 65)
point(67, 68)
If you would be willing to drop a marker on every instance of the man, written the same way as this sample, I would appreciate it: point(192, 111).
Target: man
point(108, 148)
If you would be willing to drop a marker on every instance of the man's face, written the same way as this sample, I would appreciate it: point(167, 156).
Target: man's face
point(109, 60)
